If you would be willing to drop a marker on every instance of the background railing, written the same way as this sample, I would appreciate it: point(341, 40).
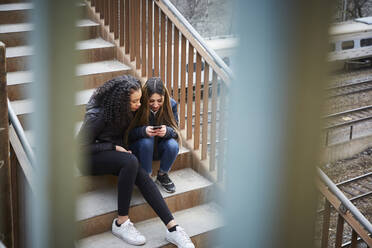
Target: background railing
point(161, 43)
point(360, 226)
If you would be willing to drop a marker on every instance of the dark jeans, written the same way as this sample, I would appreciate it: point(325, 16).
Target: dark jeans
point(125, 166)
point(166, 152)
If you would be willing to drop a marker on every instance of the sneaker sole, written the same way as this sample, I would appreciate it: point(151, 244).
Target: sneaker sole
point(127, 241)
point(164, 189)
point(172, 242)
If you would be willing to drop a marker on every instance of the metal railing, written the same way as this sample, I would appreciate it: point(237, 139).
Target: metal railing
point(21, 134)
point(160, 42)
point(346, 212)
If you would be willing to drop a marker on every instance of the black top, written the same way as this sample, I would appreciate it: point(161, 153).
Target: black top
point(96, 135)
point(140, 132)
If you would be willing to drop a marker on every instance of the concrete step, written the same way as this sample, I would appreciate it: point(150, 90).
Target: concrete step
point(96, 209)
point(95, 50)
point(21, 12)
point(92, 50)
point(200, 222)
point(17, 34)
point(91, 75)
point(15, 12)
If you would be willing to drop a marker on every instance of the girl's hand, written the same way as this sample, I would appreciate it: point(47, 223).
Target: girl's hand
point(162, 131)
point(122, 149)
point(150, 132)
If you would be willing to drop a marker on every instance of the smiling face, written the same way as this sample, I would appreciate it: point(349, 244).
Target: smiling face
point(135, 100)
point(156, 102)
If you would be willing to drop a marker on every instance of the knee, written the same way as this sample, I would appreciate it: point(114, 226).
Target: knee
point(146, 144)
point(172, 146)
point(131, 164)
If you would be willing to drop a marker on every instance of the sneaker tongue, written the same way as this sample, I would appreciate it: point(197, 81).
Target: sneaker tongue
point(165, 178)
point(127, 222)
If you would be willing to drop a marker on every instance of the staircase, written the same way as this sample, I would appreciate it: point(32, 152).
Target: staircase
point(192, 204)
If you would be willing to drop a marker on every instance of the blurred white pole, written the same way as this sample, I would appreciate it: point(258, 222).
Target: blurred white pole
point(54, 37)
point(274, 125)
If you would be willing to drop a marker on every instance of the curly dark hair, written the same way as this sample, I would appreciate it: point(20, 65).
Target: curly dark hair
point(114, 97)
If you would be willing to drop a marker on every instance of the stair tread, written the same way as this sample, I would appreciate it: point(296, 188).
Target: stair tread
point(93, 43)
point(22, 77)
point(19, 77)
point(195, 221)
point(16, 27)
point(100, 67)
point(25, 27)
point(19, 51)
point(15, 6)
point(86, 23)
point(102, 201)
point(23, 6)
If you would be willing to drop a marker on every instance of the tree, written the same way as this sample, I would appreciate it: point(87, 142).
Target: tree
point(354, 9)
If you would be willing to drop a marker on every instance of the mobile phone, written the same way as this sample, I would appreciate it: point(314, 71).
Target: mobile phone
point(156, 127)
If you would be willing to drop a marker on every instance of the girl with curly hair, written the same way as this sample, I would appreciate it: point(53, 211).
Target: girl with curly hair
point(154, 132)
point(108, 115)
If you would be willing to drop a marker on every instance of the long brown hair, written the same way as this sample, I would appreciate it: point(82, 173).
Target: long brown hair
point(164, 116)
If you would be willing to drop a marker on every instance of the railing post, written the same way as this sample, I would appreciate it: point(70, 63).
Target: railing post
point(354, 239)
point(339, 231)
point(6, 221)
point(149, 41)
point(326, 216)
point(190, 90)
point(162, 45)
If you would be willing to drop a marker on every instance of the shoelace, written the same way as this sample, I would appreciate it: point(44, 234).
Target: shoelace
point(184, 235)
point(165, 179)
point(132, 229)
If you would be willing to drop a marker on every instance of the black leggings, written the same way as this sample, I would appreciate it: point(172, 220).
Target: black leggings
point(126, 167)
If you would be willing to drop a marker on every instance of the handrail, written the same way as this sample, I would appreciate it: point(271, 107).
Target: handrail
point(20, 133)
point(345, 202)
point(215, 58)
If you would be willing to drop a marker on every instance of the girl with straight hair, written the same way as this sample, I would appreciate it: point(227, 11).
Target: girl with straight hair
point(108, 115)
point(154, 134)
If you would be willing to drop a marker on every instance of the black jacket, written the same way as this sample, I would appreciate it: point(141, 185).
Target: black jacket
point(95, 135)
point(140, 132)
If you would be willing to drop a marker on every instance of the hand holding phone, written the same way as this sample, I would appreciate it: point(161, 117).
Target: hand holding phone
point(160, 130)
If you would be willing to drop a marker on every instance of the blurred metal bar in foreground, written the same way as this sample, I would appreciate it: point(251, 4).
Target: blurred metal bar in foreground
point(52, 222)
point(274, 125)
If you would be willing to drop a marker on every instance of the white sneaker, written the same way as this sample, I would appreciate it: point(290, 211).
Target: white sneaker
point(128, 233)
point(179, 238)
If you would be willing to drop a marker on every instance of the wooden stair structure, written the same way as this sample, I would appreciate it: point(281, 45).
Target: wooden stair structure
point(102, 56)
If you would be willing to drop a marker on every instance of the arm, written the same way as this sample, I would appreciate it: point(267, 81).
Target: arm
point(137, 133)
point(170, 133)
point(92, 126)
